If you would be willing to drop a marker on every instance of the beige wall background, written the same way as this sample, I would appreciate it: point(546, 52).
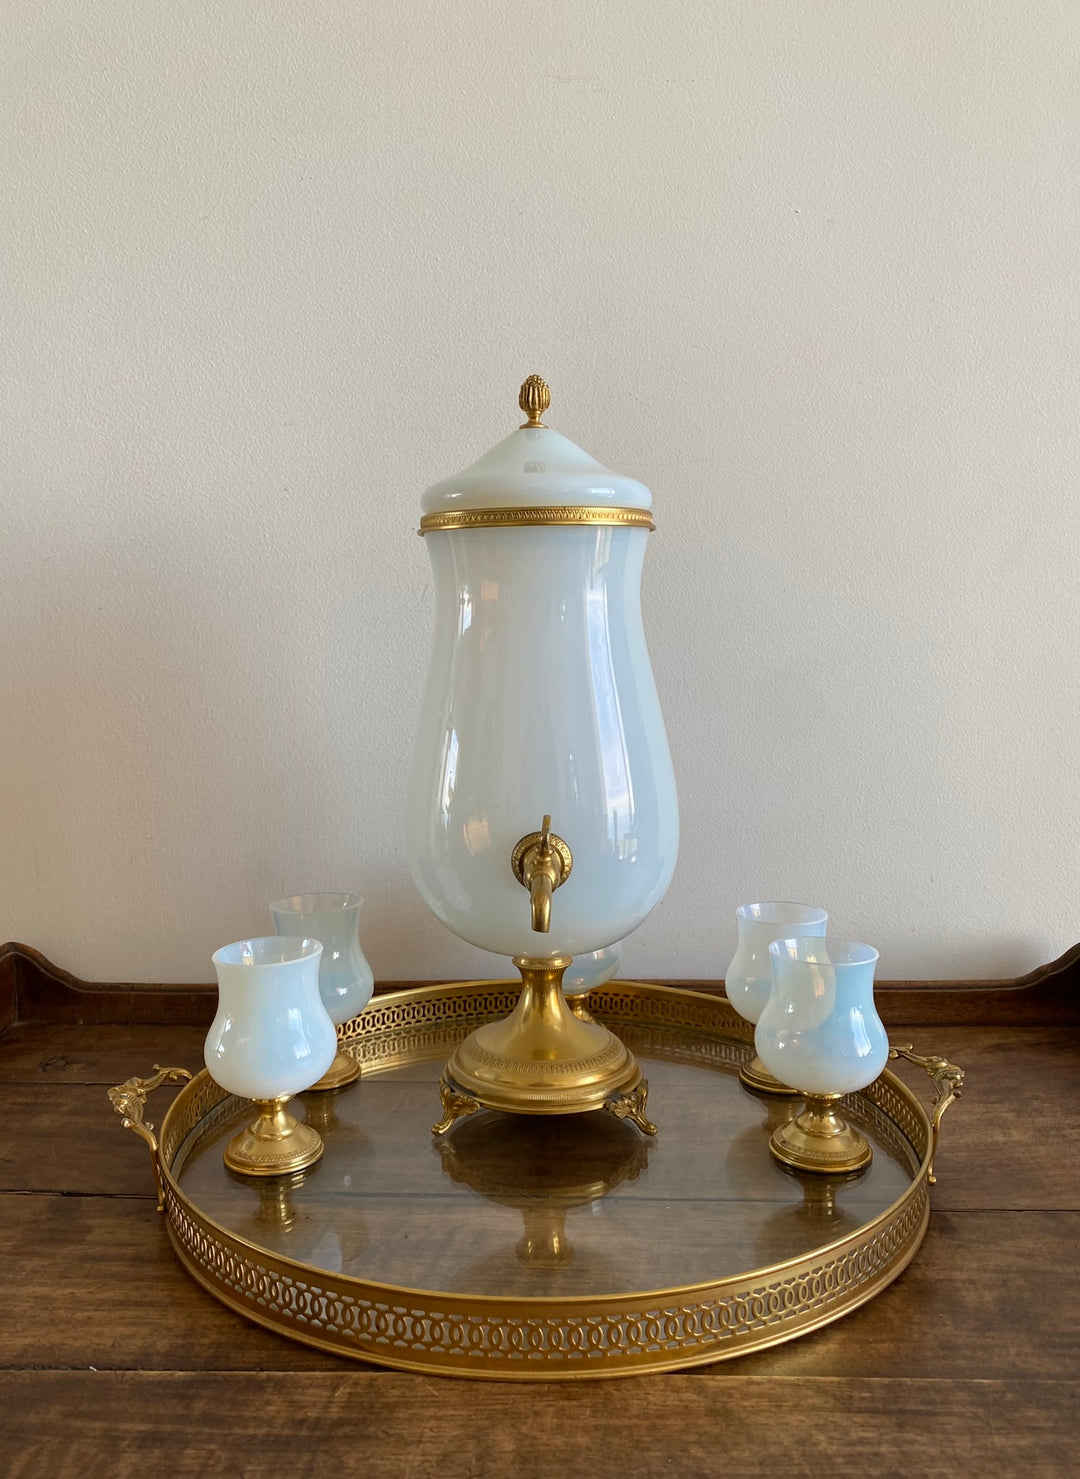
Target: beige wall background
point(810, 271)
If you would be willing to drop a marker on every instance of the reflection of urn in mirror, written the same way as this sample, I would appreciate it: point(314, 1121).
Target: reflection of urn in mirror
point(544, 1167)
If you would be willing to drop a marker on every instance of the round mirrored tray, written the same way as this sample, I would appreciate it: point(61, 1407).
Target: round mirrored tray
point(543, 1248)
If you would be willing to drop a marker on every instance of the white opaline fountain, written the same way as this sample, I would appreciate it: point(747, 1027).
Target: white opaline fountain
point(540, 702)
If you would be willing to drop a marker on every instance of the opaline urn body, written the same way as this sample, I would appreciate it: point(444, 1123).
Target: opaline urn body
point(540, 700)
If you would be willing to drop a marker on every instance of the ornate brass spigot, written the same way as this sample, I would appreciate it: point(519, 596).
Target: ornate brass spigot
point(541, 862)
point(543, 1059)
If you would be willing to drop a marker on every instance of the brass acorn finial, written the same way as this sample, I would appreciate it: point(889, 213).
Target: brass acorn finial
point(534, 399)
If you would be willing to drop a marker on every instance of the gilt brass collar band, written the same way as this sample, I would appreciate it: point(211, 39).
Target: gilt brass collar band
point(495, 518)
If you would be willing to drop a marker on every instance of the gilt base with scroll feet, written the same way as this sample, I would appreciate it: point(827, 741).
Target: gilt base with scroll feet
point(543, 1059)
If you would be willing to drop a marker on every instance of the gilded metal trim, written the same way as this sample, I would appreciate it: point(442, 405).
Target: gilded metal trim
point(129, 1101)
point(948, 1081)
point(544, 1059)
point(548, 1339)
point(534, 398)
point(556, 514)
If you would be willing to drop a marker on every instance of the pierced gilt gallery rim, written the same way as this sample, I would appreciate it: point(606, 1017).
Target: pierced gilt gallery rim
point(694, 1044)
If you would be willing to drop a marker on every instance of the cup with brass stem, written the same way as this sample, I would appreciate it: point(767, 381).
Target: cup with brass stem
point(820, 1032)
point(345, 978)
point(749, 977)
point(271, 1038)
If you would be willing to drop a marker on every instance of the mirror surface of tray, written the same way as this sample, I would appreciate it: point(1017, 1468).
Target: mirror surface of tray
point(545, 1247)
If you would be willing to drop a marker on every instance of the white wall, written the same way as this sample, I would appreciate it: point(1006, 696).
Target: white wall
point(810, 271)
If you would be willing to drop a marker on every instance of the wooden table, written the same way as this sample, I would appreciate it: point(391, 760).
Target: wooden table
point(114, 1363)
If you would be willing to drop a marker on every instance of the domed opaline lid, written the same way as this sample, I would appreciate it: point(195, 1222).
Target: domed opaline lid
point(535, 476)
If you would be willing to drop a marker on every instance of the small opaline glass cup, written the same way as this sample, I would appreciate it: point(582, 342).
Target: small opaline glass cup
point(271, 1039)
point(820, 1032)
point(749, 976)
point(345, 978)
point(586, 972)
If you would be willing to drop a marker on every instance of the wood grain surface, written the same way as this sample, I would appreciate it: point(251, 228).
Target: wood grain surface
point(113, 1362)
point(188, 1426)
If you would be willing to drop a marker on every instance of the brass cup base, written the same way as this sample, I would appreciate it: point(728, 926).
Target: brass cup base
point(819, 1140)
point(344, 1070)
point(579, 1005)
point(543, 1059)
point(757, 1077)
point(274, 1144)
point(544, 1243)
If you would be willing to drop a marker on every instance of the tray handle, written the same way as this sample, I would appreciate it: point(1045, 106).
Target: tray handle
point(129, 1100)
point(948, 1081)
